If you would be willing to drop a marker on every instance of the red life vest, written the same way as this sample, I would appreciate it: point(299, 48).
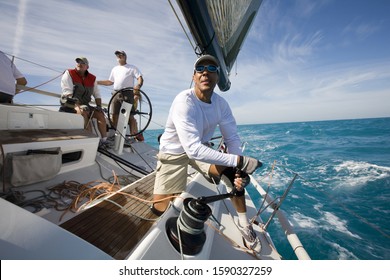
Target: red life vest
point(84, 85)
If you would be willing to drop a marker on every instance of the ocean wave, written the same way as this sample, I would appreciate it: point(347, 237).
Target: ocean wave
point(304, 222)
point(270, 146)
point(358, 173)
point(327, 221)
point(332, 222)
point(343, 253)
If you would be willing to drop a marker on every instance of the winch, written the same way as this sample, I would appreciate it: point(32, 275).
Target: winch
point(186, 231)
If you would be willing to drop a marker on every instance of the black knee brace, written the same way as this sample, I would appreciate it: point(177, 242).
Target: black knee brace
point(239, 193)
point(230, 173)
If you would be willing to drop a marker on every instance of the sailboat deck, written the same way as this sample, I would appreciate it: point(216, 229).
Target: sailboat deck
point(118, 223)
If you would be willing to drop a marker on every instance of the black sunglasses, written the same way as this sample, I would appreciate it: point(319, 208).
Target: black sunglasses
point(210, 68)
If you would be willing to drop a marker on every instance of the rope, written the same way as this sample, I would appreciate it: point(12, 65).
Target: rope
point(40, 65)
point(180, 243)
point(198, 49)
point(89, 120)
point(93, 193)
point(37, 86)
point(74, 196)
point(201, 51)
point(120, 166)
point(80, 192)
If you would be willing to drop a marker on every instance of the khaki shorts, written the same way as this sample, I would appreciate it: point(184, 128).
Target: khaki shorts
point(117, 103)
point(172, 173)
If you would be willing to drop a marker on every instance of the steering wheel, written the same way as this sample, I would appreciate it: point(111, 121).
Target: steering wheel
point(142, 113)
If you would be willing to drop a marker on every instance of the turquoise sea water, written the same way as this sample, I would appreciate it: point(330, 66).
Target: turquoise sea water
point(340, 203)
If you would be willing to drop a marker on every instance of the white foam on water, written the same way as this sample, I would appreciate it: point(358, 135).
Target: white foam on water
point(269, 146)
point(276, 180)
point(304, 221)
point(343, 253)
point(335, 223)
point(322, 170)
point(357, 173)
point(295, 196)
point(327, 221)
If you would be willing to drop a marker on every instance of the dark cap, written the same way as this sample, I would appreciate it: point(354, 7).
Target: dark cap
point(82, 60)
point(120, 52)
point(206, 57)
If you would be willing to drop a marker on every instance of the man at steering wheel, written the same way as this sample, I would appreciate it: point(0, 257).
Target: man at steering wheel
point(123, 76)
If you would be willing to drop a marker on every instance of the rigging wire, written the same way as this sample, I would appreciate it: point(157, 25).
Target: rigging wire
point(182, 26)
point(37, 86)
point(197, 49)
point(266, 194)
point(40, 65)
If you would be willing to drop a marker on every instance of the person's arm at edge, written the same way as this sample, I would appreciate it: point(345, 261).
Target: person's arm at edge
point(20, 81)
point(105, 83)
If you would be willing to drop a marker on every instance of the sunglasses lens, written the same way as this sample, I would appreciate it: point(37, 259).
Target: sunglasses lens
point(210, 68)
point(199, 68)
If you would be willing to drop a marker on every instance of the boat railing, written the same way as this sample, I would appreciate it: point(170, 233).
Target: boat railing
point(47, 93)
point(288, 229)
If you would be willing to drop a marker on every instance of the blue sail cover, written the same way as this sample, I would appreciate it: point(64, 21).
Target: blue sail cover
point(219, 28)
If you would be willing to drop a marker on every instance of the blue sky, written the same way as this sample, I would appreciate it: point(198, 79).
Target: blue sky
point(302, 60)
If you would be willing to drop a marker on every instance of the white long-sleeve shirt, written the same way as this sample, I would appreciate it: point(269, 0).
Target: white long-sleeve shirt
point(67, 86)
point(192, 122)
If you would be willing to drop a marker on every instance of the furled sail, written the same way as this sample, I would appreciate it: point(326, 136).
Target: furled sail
point(219, 28)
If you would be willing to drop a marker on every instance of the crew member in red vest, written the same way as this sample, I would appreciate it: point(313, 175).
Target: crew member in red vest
point(79, 85)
